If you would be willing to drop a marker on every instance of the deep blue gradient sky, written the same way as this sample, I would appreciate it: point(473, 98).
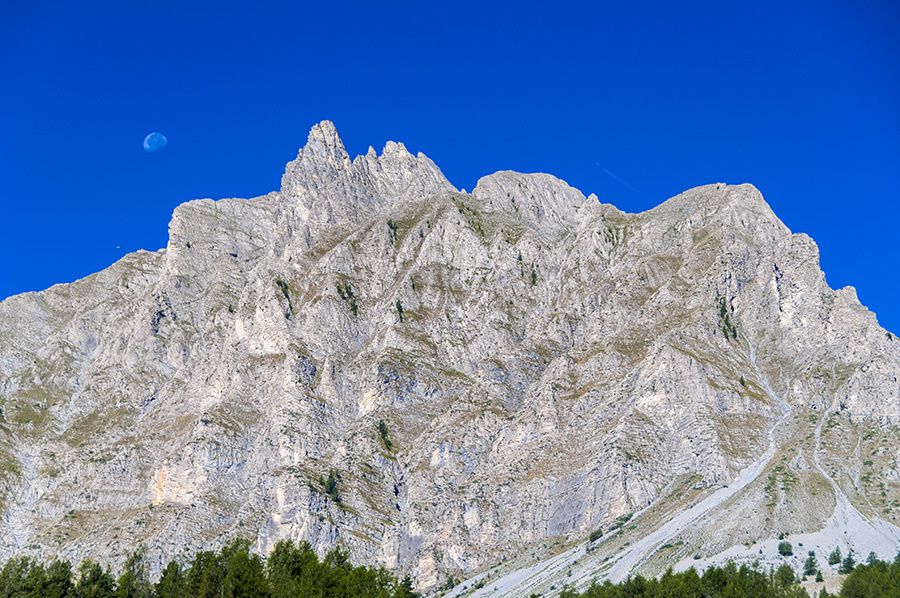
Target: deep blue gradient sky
point(633, 101)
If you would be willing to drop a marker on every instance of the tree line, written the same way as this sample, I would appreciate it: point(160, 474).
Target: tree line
point(293, 570)
point(290, 570)
point(874, 579)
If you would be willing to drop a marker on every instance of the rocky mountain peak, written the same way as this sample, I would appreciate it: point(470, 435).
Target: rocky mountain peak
point(324, 186)
point(544, 201)
point(481, 376)
point(324, 145)
point(323, 159)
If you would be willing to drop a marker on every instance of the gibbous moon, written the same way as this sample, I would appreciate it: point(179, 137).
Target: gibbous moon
point(155, 142)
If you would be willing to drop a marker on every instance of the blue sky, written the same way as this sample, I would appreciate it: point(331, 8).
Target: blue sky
point(633, 101)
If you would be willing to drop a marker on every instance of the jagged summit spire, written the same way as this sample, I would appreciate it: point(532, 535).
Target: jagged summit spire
point(324, 134)
point(324, 148)
point(324, 142)
point(324, 128)
point(357, 187)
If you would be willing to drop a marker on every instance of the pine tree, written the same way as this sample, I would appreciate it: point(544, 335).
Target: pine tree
point(94, 582)
point(835, 556)
point(294, 570)
point(172, 583)
point(331, 485)
point(848, 564)
point(810, 565)
point(784, 576)
point(135, 581)
point(205, 575)
point(21, 576)
point(245, 576)
point(58, 580)
point(404, 589)
point(877, 579)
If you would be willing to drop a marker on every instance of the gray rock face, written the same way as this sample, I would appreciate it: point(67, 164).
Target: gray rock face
point(543, 364)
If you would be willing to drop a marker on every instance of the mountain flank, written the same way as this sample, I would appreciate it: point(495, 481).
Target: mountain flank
point(521, 384)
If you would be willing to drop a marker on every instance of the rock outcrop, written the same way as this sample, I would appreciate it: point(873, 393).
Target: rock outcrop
point(487, 374)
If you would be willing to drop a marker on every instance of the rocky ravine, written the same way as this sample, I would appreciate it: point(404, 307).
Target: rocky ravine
point(544, 365)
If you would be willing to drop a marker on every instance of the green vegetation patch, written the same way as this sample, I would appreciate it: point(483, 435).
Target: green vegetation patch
point(729, 328)
point(383, 433)
point(289, 570)
point(876, 578)
point(330, 485)
point(286, 291)
point(346, 292)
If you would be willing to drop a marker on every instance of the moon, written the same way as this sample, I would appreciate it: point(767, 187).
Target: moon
point(154, 142)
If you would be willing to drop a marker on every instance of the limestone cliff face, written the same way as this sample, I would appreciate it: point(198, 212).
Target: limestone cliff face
point(543, 363)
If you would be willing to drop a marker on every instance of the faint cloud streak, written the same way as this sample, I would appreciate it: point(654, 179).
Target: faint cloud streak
point(619, 179)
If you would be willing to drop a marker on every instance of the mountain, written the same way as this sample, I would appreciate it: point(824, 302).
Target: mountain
point(453, 384)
